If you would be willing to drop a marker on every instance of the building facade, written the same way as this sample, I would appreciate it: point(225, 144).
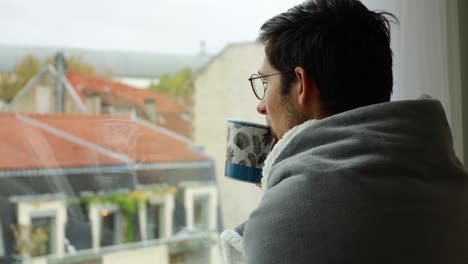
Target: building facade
point(221, 90)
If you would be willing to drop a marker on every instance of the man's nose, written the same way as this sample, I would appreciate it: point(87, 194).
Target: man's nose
point(261, 107)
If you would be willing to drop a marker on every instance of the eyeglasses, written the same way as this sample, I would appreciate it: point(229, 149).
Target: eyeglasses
point(259, 85)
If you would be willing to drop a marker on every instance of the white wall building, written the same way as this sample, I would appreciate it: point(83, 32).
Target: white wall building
point(222, 91)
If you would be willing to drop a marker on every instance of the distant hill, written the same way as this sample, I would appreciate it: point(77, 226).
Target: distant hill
point(122, 63)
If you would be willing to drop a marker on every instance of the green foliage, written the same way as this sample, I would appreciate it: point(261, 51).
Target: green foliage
point(128, 204)
point(26, 68)
point(30, 240)
point(8, 86)
point(175, 84)
point(12, 82)
point(76, 63)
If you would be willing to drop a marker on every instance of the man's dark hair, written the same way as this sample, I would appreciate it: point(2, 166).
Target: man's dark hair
point(343, 47)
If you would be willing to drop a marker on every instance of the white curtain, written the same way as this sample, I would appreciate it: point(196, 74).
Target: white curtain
point(427, 55)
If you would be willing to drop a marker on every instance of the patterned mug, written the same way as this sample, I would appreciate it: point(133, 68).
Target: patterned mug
point(248, 145)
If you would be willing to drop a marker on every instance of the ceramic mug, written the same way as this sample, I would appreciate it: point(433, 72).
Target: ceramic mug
point(248, 145)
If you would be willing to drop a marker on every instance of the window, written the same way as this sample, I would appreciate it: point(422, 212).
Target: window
point(201, 212)
point(106, 225)
point(42, 220)
point(154, 217)
point(201, 204)
point(109, 232)
point(42, 233)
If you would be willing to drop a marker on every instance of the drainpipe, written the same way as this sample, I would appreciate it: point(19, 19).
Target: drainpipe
point(60, 63)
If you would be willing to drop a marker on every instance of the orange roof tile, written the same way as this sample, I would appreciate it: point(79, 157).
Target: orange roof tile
point(113, 91)
point(25, 146)
point(144, 144)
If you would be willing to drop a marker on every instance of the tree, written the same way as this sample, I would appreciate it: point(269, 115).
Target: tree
point(180, 79)
point(75, 63)
point(26, 68)
point(175, 85)
point(164, 84)
point(12, 82)
point(8, 86)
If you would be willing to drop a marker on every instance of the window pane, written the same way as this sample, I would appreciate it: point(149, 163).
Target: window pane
point(154, 218)
point(42, 236)
point(108, 228)
point(201, 213)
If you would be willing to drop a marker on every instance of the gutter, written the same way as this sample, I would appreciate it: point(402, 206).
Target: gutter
point(105, 169)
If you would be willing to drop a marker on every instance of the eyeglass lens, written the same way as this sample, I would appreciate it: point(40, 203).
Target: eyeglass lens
point(259, 86)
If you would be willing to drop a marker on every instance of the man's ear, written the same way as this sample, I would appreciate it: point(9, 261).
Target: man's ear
point(306, 87)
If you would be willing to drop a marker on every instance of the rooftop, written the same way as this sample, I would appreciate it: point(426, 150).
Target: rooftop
point(171, 111)
point(76, 140)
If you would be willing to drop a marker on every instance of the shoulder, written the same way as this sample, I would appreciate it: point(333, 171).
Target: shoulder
point(290, 220)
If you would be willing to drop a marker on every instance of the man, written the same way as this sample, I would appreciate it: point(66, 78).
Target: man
point(354, 178)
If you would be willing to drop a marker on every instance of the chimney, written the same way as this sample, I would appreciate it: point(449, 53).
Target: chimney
point(93, 103)
point(150, 109)
point(60, 64)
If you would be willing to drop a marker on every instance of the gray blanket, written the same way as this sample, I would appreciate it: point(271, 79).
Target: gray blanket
point(378, 184)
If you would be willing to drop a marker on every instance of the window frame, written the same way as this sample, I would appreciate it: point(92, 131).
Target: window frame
point(95, 218)
point(166, 217)
point(191, 192)
point(38, 208)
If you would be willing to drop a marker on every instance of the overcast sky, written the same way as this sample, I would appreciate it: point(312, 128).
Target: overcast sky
point(171, 26)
